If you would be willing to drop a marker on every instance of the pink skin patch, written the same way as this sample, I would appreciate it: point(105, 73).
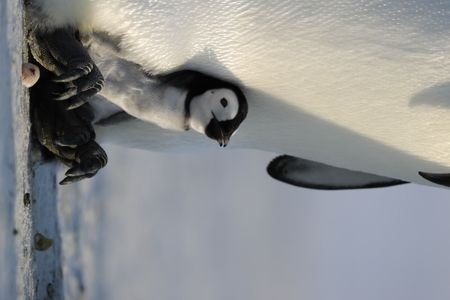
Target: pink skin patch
point(30, 74)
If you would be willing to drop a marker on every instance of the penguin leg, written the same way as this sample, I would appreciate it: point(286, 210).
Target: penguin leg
point(61, 52)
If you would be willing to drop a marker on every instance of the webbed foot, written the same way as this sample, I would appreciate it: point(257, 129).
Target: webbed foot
point(61, 52)
point(67, 134)
point(71, 140)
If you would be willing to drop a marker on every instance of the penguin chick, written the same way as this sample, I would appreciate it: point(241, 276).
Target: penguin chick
point(179, 100)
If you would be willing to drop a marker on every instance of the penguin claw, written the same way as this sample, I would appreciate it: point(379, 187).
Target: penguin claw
point(61, 52)
point(69, 92)
point(93, 80)
point(86, 87)
point(75, 72)
point(90, 159)
point(85, 160)
point(73, 179)
point(80, 99)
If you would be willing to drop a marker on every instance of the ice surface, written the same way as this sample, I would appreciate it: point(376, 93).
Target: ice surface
point(7, 149)
point(162, 226)
point(27, 188)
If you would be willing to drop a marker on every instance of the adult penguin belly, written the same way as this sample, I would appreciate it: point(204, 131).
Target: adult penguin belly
point(362, 85)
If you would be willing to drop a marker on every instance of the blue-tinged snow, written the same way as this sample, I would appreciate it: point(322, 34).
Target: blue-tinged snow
point(27, 186)
point(8, 83)
point(215, 226)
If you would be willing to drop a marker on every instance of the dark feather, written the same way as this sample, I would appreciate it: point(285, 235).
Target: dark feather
point(309, 174)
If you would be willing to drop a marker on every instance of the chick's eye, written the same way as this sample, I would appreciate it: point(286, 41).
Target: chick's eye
point(224, 102)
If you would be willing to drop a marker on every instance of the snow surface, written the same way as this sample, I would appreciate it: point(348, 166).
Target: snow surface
point(165, 226)
point(7, 168)
point(27, 188)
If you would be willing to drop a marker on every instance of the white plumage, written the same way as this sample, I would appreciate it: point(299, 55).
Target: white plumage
point(151, 99)
point(357, 84)
point(131, 90)
point(58, 13)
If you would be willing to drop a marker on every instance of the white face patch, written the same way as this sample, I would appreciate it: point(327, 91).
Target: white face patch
point(223, 103)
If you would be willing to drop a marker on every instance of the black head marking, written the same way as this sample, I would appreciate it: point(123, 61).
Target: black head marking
point(196, 83)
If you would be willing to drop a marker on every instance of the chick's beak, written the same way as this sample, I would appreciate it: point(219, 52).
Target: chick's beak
point(222, 139)
point(223, 142)
point(214, 131)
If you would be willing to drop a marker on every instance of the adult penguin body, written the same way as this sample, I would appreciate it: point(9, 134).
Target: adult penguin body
point(353, 84)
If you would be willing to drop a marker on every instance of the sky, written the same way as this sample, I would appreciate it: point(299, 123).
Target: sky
point(214, 225)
